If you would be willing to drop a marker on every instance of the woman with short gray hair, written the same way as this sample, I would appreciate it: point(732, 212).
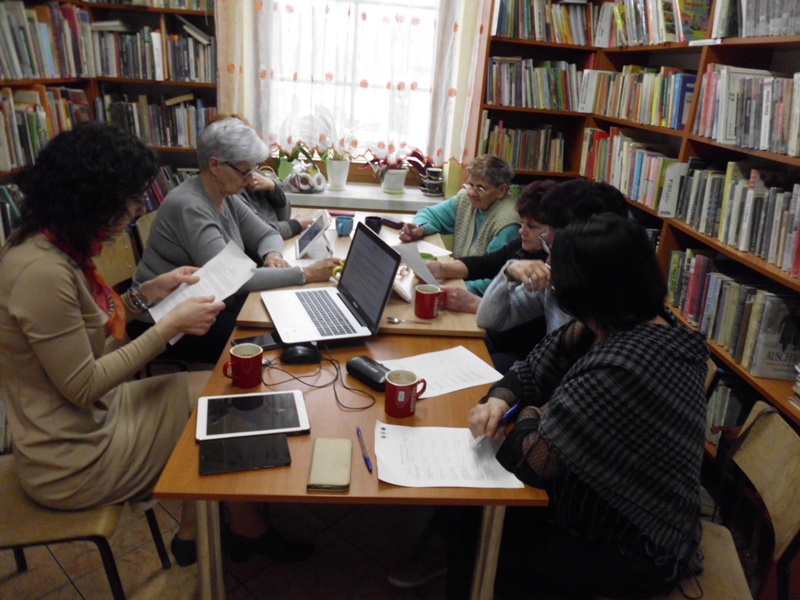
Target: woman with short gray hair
point(199, 217)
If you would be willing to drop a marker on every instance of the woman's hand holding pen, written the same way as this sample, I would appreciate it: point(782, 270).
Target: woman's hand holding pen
point(411, 232)
point(484, 419)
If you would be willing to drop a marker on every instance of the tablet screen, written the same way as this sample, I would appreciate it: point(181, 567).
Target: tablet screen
point(316, 229)
point(244, 453)
point(250, 414)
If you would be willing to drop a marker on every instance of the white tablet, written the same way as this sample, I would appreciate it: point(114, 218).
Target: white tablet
point(313, 233)
point(239, 415)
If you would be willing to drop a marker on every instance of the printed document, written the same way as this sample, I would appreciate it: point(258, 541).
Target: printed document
point(447, 370)
point(220, 277)
point(438, 457)
point(412, 259)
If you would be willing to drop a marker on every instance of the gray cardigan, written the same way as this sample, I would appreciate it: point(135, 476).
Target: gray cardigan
point(189, 229)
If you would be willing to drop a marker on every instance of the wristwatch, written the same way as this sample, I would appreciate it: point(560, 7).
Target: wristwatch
point(138, 298)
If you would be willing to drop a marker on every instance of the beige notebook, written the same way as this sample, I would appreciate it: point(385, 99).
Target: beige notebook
point(330, 465)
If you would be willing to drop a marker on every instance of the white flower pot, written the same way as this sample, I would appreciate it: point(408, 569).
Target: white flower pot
point(337, 174)
point(394, 181)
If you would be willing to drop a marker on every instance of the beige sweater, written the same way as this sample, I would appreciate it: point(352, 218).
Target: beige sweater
point(82, 435)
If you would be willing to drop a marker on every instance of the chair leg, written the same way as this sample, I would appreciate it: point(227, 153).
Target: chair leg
point(159, 541)
point(111, 567)
point(19, 558)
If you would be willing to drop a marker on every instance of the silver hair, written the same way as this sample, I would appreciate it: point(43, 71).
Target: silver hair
point(230, 140)
point(491, 168)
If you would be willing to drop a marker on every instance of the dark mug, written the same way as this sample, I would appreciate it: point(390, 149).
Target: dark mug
point(374, 223)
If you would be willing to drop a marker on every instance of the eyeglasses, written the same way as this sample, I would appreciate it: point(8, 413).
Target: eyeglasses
point(244, 174)
point(545, 244)
point(479, 189)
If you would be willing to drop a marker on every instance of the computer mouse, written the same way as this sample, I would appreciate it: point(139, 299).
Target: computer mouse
point(301, 354)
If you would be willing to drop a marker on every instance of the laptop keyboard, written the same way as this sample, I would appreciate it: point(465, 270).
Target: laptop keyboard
point(326, 316)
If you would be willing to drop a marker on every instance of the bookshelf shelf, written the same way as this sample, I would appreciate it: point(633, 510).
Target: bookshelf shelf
point(166, 82)
point(148, 9)
point(670, 63)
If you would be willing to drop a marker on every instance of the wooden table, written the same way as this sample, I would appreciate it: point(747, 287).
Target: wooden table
point(181, 480)
point(254, 314)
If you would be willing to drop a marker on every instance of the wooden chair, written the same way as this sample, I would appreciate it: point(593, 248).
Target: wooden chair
point(26, 523)
point(142, 228)
point(117, 262)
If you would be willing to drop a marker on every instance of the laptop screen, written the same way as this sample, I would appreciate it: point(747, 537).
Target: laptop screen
point(368, 275)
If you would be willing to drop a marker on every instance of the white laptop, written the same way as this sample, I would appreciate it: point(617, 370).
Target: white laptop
point(314, 232)
point(356, 305)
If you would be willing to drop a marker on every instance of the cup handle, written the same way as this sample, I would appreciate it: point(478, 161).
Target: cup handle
point(424, 386)
point(442, 299)
point(225, 367)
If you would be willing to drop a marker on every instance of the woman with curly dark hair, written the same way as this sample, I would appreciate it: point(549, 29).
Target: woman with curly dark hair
point(84, 434)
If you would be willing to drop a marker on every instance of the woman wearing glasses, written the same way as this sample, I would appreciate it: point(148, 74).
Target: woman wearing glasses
point(199, 217)
point(482, 217)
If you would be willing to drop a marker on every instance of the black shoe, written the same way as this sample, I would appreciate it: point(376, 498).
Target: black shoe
point(184, 551)
point(272, 544)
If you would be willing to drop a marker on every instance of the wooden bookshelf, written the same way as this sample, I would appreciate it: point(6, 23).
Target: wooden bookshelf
point(779, 53)
point(99, 89)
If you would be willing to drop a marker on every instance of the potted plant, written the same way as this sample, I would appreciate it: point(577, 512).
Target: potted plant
point(285, 160)
point(392, 169)
point(336, 143)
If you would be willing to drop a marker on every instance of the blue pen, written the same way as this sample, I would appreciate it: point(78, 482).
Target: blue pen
point(504, 419)
point(367, 461)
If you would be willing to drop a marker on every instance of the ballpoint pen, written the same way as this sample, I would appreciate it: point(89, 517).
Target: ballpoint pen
point(367, 461)
point(505, 419)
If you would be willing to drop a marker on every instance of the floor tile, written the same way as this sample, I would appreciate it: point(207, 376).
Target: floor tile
point(65, 592)
point(42, 577)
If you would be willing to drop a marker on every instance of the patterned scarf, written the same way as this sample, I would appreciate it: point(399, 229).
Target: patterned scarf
point(104, 295)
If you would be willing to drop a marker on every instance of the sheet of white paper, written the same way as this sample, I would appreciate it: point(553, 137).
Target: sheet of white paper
point(410, 253)
point(447, 370)
point(220, 277)
point(438, 457)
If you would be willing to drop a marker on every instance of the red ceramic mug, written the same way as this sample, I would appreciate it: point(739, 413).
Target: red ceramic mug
point(427, 300)
point(244, 367)
point(402, 390)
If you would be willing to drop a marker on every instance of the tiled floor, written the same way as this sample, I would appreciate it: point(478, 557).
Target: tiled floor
point(355, 547)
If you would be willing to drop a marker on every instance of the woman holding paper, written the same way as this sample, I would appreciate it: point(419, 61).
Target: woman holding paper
point(611, 423)
point(85, 434)
point(199, 217)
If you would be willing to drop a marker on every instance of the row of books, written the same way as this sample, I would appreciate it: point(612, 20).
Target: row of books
point(31, 117)
point(728, 406)
point(166, 180)
point(514, 81)
point(795, 397)
point(750, 108)
point(748, 18)
point(544, 21)
point(174, 122)
point(536, 149)
point(611, 24)
point(46, 41)
point(759, 328)
point(619, 157)
point(650, 96)
point(10, 201)
point(57, 40)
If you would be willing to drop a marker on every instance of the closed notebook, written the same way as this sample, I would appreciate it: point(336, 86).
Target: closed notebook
point(330, 465)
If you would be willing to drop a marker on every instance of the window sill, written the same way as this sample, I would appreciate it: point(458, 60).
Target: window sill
point(366, 196)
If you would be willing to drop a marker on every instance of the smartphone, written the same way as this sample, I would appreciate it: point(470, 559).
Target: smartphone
point(267, 341)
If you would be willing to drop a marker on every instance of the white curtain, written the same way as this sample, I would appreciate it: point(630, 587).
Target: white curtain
point(380, 75)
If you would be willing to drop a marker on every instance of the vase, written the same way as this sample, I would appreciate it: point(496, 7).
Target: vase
point(337, 174)
point(394, 181)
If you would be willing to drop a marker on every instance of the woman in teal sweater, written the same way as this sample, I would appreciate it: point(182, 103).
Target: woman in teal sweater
point(482, 217)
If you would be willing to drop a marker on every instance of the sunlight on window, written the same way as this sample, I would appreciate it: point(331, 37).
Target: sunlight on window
point(369, 64)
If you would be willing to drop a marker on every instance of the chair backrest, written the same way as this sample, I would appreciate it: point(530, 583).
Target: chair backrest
point(712, 376)
point(143, 225)
point(117, 262)
point(770, 458)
